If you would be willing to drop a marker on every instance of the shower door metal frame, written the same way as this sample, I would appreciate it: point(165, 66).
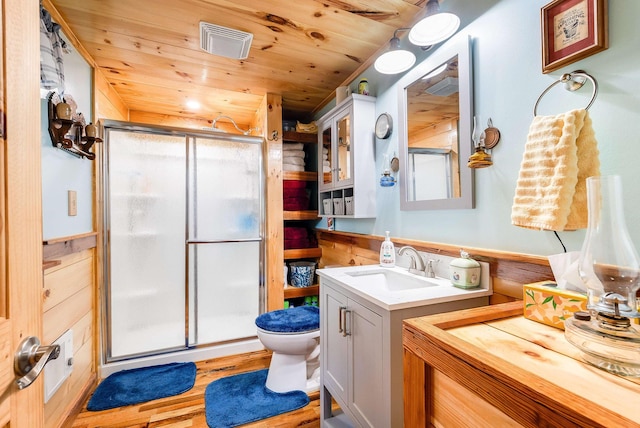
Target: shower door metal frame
point(189, 135)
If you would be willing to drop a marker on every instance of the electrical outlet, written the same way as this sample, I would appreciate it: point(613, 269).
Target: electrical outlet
point(72, 201)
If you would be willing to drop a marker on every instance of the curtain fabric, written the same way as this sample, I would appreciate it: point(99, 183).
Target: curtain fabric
point(51, 50)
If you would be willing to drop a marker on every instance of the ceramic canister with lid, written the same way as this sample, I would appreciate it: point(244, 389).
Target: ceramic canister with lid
point(464, 271)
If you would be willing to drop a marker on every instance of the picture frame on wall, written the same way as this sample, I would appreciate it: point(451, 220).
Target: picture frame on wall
point(572, 30)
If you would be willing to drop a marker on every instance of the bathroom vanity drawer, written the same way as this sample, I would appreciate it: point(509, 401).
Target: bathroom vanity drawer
point(490, 366)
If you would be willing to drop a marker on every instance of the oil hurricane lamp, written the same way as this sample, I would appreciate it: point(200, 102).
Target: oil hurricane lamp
point(609, 266)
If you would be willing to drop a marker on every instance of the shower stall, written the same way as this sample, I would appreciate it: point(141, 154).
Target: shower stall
point(183, 243)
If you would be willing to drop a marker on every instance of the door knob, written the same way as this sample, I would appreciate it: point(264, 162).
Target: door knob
point(31, 359)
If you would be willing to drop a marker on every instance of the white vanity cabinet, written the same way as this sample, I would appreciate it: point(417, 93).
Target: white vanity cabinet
point(361, 361)
point(346, 159)
point(353, 372)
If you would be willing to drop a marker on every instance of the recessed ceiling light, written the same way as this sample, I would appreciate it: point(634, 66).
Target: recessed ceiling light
point(193, 104)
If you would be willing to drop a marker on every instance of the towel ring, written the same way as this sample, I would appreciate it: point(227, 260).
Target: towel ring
point(572, 82)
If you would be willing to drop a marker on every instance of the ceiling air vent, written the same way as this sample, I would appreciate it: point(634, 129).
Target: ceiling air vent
point(444, 88)
point(224, 41)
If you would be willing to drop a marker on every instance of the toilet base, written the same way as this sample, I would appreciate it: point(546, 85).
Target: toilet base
point(289, 373)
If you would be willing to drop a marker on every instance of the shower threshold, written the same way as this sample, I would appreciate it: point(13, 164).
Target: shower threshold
point(190, 355)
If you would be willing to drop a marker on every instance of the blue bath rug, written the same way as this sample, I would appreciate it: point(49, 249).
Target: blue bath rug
point(137, 386)
point(243, 398)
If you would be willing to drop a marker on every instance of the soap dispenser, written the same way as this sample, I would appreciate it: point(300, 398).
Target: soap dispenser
point(387, 252)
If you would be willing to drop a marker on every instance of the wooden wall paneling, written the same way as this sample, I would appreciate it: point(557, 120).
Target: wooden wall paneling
point(67, 279)
point(61, 317)
point(108, 104)
point(269, 119)
point(138, 116)
point(69, 302)
point(60, 407)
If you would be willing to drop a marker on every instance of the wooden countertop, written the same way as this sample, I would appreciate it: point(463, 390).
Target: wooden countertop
point(524, 371)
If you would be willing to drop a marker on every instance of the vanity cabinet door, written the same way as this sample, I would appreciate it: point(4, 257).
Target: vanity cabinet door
point(366, 390)
point(334, 344)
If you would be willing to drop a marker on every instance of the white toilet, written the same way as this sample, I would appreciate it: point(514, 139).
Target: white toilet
point(293, 335)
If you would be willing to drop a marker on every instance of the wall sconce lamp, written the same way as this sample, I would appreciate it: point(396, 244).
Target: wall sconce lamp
point(483, 142)
point(434, 28)
point(395, 60)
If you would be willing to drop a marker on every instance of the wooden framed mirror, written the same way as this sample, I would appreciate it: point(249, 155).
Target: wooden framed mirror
point(434, 130)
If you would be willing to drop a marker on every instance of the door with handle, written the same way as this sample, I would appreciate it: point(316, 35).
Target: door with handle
point(20, 207)
point(31, 359)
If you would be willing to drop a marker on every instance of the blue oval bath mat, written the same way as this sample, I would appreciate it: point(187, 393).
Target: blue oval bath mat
point(243, 398)
point(144, 384)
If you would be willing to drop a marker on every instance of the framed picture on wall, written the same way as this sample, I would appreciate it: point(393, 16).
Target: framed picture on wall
point(572, 30)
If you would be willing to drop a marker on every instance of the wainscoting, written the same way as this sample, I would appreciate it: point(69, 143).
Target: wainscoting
point(68, 299)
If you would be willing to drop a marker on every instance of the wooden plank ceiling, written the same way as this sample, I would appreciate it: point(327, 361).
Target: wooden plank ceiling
point(149, 50)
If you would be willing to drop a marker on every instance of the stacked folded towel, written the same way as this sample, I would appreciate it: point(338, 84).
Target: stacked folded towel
point(298, 237)
point(560, 153)
point(326, 165)
point(293, 157)
point(295, 196)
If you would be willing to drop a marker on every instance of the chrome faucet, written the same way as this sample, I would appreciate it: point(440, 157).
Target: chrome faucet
point(430, 273)
point(417, 264)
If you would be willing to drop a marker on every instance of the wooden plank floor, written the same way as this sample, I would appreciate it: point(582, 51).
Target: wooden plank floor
point(187, 409)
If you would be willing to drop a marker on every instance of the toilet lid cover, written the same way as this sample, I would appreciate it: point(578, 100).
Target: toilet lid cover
point(293, 320)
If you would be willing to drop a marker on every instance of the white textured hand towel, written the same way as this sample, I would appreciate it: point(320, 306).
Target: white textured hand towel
point(293, 153)
point(560, 153)
point(290, 160)
point(292, 146)
point(287, 167)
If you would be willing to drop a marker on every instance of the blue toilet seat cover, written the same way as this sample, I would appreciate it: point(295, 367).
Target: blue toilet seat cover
point(294, 320)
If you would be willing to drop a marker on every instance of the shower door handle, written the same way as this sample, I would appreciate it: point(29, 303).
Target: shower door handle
point(31, 358)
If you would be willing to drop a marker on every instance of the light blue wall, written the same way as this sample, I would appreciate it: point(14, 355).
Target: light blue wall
point(61, 171)
point(508, 80)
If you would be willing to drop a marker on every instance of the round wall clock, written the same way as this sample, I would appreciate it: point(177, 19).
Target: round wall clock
point(384, 126)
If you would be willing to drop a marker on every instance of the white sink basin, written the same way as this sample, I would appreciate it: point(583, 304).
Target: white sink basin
point(396, 288)
point(391, 280)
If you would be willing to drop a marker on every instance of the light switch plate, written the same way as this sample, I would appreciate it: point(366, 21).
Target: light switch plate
point(72, 200)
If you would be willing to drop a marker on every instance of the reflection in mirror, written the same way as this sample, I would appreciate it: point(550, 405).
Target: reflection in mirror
point(435, 130)
point(344, 149)
point(327, 156)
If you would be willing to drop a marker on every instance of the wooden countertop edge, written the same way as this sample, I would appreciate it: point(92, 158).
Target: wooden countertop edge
point(522, 395)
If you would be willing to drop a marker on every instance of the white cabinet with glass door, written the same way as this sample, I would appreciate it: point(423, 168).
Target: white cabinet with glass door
point(346, 159)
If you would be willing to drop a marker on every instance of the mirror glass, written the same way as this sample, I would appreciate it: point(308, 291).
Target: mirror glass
point(435, 116)
point(344, 149)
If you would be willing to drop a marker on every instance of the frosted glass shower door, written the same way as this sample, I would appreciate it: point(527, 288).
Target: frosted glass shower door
point(146, 216)
point(225, 244)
